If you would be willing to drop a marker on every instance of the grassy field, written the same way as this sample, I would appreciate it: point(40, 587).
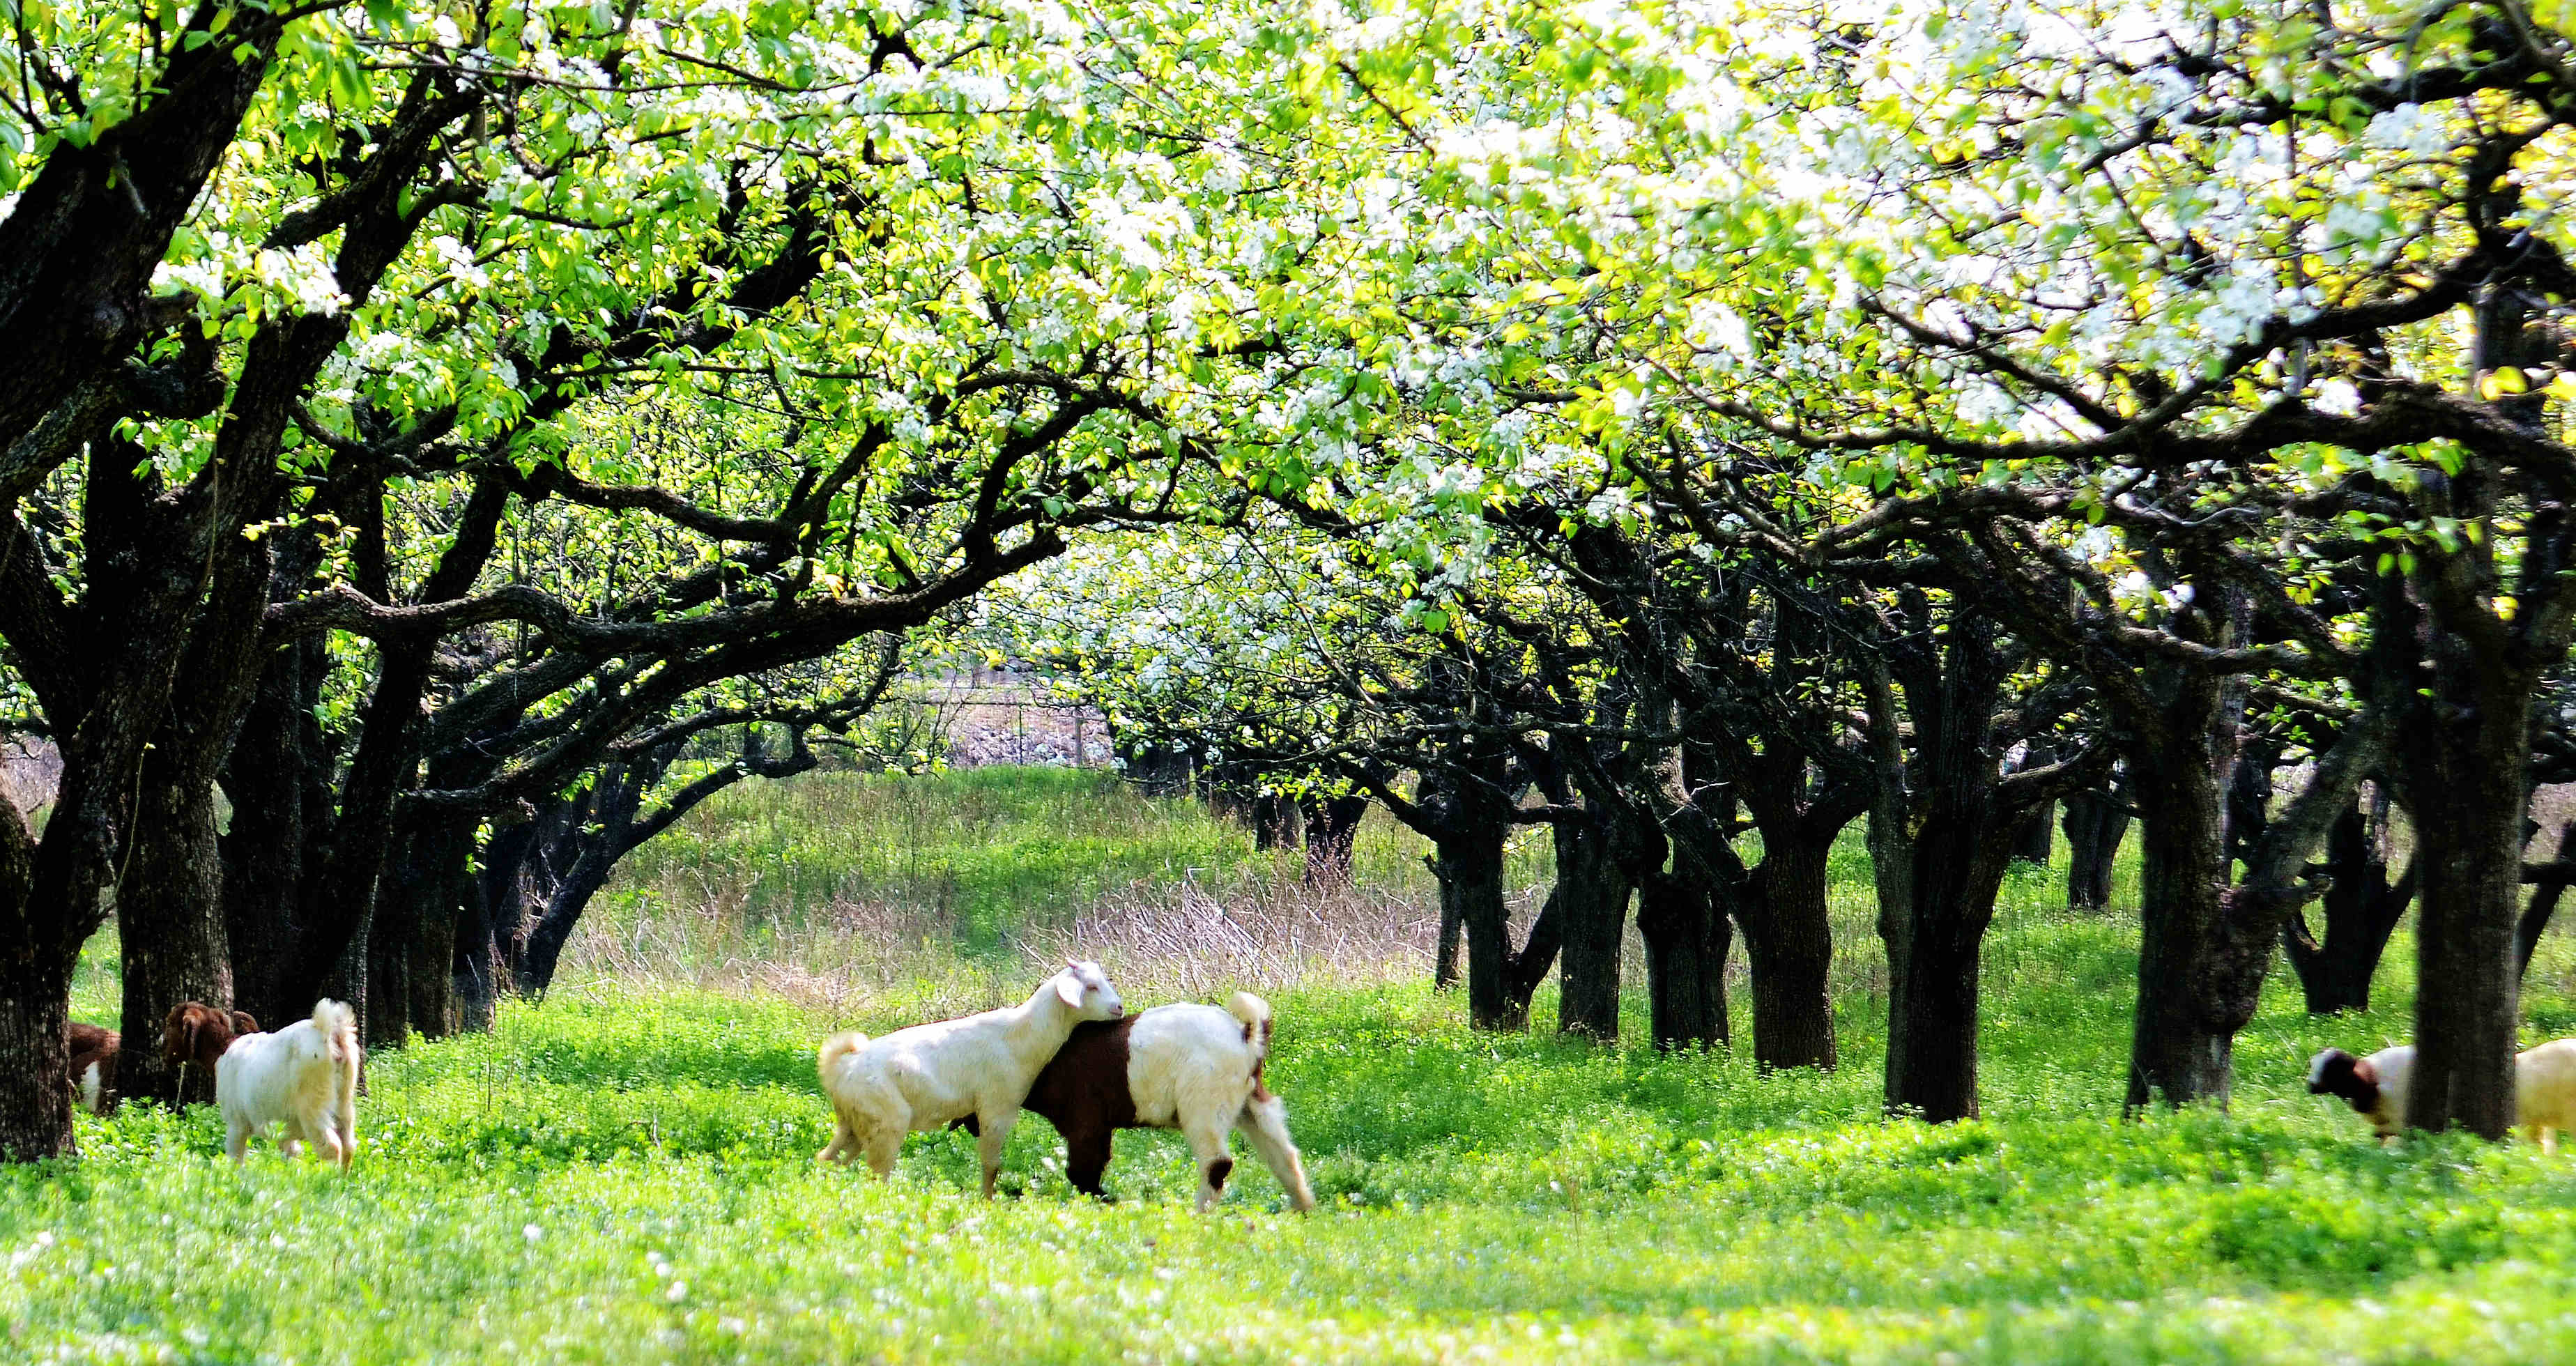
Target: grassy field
point(624, 1173)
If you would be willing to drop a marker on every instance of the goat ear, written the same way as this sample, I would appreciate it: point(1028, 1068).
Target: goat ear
point(1068, 988)
point(243, 1023)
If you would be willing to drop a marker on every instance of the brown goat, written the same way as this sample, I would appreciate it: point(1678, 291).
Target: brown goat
point(197, 1034)
point(1189, 1067)
point(93, 1051)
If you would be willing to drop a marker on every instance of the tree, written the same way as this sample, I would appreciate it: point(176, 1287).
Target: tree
point(282, 292)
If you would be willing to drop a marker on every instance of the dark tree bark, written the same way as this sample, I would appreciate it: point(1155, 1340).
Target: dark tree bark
point(1686, 942)
point(2464, 754)
point(78, 248)
point(1469, 866)
point(1591, 899)
point(1464, 806)
point(623, 826)
point(2034, 837)
point(2362, 906)
point(277, 777)
point(1453, 931)
point(1939, 830)
point(1332, 826)
point(1274, 821)
point(1789, 947)
point(2178, 1051)
point(1754, 682)
point(171, 936)
point(2034, 833)
point(2096, 822)
point(36, 990)
point(1158, 770)
point(2207, 938)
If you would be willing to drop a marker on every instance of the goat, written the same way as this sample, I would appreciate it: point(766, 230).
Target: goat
point(93, 1051)
point(304, 1077)
point(928, 1075)
point(195, 1034)
point(2544, 1092)
point(2544, 1088)
point(1194, 1068)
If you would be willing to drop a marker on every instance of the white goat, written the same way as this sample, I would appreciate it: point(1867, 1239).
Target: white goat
point(2544, 1088)
point(2544, 1092)
point(928, 1075)
point(304, 1077)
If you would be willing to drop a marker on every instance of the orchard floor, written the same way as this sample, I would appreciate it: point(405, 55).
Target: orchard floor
point(625, 1174)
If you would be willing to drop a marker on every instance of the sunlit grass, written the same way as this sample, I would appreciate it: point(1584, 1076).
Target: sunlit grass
point(625, 1174)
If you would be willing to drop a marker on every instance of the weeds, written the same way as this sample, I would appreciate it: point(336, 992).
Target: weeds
point(625, 1174)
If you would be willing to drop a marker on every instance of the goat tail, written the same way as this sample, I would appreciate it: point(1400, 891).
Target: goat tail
point(337, 1023)
point(835, 1048)
point(1255, 1014)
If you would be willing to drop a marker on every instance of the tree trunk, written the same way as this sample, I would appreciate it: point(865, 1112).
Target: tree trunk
point(1526, 970)
point(2362, 908)
point(1932, 999)
point(1469, 866)
point(2096, 822)
point(384, 1015)
point(1160, 770)
point(35, 1065)
point(277, 783)
point(2176, 1054)
point(2033, 837)
point(1453, 933)
point(436, 875)
point(170, 931)
point(1789, 946)
point(563, 912)
point(1685, 985)
point(1332, 826)
point(1274, 822)
point(1592, 902)
point(2468, 807)
point(35, 1000)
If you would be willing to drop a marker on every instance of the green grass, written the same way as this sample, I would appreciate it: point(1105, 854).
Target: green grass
point(624, 1174)
point(978, 852)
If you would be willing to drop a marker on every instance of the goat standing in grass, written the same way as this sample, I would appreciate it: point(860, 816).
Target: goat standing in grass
point(930, 1075)
point(94, 1052)
point(304, 1077)
point(1188, 1067)
point(2544, 1088)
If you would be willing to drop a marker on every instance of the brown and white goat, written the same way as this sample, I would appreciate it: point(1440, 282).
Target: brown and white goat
point(93, 1051)
point(1193, 1068)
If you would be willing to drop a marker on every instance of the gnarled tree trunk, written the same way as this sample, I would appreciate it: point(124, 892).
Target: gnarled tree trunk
point(2362, 908)
point(2177, 1054)
point(1789, 947)
point(1686, 942)
point(170, 932)
point(1591, 897)
point(2095, 822)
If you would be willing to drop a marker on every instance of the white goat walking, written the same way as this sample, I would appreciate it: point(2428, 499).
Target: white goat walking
point(928, 1075)
point(304, 1076)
